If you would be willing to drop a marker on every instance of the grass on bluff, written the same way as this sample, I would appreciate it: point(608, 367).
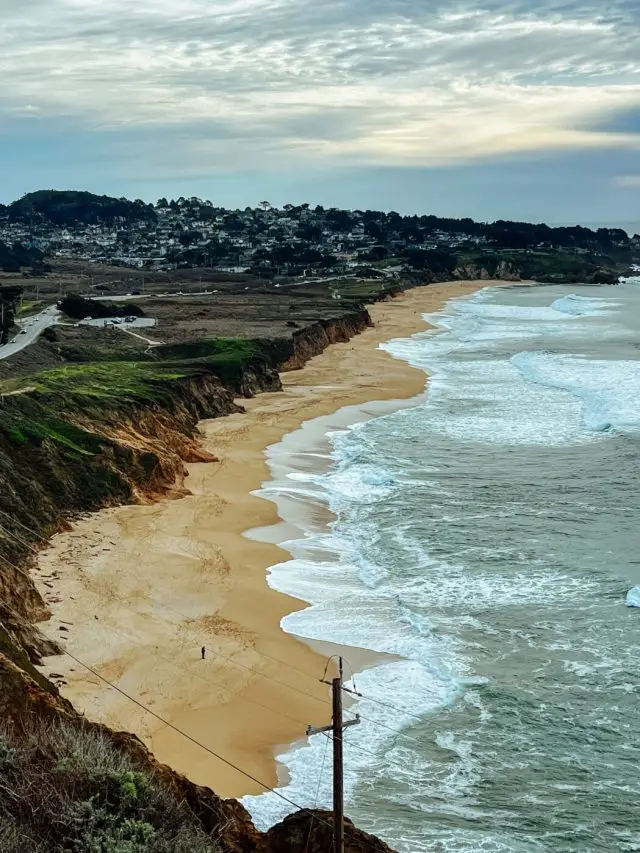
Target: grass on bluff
point(118, 380)
point(33, 408)
point(138, 380)
point(216, 351)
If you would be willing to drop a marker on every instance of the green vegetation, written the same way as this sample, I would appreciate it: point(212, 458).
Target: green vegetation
point(66, 788)
point(69, 207)
point(227, 358)
point(215, 350)
point(546, 265)
point(78, 308)
point(31, 306)
point(37, 415)
point(13, 258)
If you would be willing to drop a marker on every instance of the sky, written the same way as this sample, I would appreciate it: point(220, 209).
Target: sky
point(519, 109)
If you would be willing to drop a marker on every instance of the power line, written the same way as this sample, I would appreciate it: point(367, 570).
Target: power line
point(187, 736)
point(263, 654)
point(324, 758)
point(207, 749)
point(354, 693)
point(390, 728)
point(275, 711)
point(204, 678)
point(237, 663)
point(383, 704)
point(255, 672)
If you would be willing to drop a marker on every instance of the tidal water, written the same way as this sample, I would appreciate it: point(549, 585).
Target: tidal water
point(487, 537)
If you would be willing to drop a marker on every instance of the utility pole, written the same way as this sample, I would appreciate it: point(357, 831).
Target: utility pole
point(337, 728)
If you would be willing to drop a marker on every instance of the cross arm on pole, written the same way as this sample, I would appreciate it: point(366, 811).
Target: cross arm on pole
point(317, 730)
point(313, 730)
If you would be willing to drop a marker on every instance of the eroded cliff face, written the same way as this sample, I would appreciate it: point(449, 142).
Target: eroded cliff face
point(312, 340)
point(226, 821)
point(504, 271)
point(63, 454)
point(90, 456)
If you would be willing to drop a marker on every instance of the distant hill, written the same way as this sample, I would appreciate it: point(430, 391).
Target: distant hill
point(71, 207)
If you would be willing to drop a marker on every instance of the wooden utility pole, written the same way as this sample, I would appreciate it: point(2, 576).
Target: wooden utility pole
point(337, 728)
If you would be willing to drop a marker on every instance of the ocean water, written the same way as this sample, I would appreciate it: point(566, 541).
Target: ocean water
point(488, 539)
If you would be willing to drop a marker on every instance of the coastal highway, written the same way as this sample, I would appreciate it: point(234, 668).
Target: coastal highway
point(30, 330)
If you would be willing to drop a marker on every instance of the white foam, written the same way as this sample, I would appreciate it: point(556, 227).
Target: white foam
point(475, 398)
point(581, 306)
point(609, 391)
point(633, 597)
point(356, 600)
point(368, 746)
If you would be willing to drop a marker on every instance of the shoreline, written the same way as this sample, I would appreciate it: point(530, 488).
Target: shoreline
point(136, 591)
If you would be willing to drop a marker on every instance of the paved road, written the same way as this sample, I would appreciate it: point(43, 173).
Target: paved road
point(33, 328)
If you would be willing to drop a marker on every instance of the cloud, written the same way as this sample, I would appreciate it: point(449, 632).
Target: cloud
point(241, 83)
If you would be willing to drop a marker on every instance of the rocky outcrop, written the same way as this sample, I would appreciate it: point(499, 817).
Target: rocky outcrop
point(504, 271)
point(313, 833)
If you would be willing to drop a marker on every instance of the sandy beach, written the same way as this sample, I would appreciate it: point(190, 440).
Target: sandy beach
point(135, 592)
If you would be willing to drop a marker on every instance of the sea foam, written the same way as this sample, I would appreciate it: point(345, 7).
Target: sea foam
point(412, 608)
point(608, 390)
point(633, 597)
point(581, 306)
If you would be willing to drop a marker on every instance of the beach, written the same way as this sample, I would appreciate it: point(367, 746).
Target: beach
point(135, 592)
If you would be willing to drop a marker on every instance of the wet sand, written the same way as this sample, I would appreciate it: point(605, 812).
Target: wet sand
point(135, 592)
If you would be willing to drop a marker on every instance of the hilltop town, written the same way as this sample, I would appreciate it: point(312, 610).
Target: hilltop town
point(297, 241)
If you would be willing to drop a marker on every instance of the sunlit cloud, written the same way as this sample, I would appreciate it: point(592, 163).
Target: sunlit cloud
point(234, 83)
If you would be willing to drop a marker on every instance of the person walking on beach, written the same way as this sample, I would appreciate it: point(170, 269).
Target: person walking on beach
point(202, 651)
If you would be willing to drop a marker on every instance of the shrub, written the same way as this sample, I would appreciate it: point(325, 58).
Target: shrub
point(66, 788)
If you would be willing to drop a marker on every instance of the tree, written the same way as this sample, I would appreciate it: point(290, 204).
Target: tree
point(188, 238)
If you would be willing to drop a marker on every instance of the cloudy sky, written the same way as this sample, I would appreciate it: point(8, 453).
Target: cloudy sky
point(504, 108)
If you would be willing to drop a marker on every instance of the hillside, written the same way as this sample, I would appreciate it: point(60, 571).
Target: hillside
point(71, 207)
point(292, 243)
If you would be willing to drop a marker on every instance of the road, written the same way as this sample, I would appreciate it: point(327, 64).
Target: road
point(129, 297)
point(33, 327)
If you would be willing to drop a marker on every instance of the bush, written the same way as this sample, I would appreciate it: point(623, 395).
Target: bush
point(66, 788)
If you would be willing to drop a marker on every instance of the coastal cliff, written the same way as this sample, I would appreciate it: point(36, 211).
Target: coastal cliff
point(74, 760)
point(312, 340)
point(80, 437)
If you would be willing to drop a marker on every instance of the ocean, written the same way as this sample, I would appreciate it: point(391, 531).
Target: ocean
point(484, 541)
